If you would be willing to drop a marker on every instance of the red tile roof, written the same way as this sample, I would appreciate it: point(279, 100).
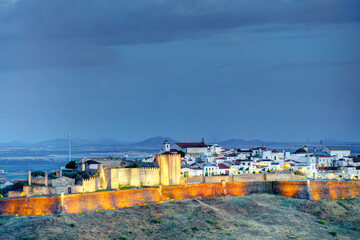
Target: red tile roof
point(192, 145)
point(223, 166)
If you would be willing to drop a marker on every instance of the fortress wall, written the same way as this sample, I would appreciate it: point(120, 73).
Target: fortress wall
point(334, 189)
point(109, 199)
point(246, 178)
point(77, 203)
point(284, 177)
point(296, 189)
point(30, 206)
point(149, 176)
point(217, 179)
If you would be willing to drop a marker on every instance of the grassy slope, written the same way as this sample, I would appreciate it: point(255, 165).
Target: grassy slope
point(255, 216)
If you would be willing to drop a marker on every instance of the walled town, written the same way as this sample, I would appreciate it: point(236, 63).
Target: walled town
point(192, 163)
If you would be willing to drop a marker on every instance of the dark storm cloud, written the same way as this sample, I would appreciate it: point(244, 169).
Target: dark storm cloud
point(131, 22)
point(71, 33)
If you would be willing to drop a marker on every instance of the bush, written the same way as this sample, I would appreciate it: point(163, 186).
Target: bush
point(134, 165)
point(72, 225)
point(143, 229)
point(195, 228)
point(156, 220)
point(186, 230)
point(30, 237)
point(322, 222)
point(212, 222)
point(71, 165)
point(333, 233)
point(219, 227)
point(38, 173)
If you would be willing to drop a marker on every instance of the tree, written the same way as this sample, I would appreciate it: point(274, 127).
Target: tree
point(71, 165)
point(38, 173)
point(134, 165)
point(181, 153)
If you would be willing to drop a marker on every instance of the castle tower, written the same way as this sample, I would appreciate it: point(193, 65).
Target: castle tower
point(170, 168)
point(166, 146)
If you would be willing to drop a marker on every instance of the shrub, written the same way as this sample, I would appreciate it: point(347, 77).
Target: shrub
point(186, 230)
point(322, 222)
point(71, 165)
point(130, 232)
point(195, 228)
point(212, 222)
point(218, 227)
point(333, 233)
point(143, 229)
point(72, 225)
point(38, 173)
point(190, 218)
point(2, 223)
point(156, 220)
point(122, 238)
point(30, 237)
point(134, 165)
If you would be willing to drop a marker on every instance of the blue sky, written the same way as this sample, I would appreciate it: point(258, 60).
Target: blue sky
point(270, 70)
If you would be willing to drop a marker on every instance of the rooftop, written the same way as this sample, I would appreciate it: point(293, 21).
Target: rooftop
point(192, 145)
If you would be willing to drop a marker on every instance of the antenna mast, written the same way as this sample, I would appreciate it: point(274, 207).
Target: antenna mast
point(69, 147)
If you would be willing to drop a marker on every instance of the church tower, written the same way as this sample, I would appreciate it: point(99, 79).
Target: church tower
point(166, 146)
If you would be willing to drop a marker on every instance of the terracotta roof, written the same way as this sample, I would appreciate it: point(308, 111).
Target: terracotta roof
point(192, 145)
point(274, 151)
point(223, 166)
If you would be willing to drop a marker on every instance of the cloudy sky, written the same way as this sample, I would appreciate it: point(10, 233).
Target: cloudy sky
point(281, 70)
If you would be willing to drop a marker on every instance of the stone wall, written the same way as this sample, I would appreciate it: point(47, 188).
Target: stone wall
point(134, 177)
point(78, 203)
point(246, 178)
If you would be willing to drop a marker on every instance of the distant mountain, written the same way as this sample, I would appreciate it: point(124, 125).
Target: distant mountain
point(154, 142)
point(13, 144)
point(231, 143)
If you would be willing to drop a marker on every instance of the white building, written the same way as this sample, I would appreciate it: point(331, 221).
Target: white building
point(337, 151)
point(191, 149)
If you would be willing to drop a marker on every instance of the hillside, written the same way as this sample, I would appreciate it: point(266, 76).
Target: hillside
point(251, 217)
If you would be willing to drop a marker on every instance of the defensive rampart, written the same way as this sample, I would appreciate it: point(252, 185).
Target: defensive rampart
point(84, 202)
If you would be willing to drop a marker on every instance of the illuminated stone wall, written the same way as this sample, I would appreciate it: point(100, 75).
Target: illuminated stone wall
point(135, 177)
point(170, 168)
point(246, 178)
point(78, 203)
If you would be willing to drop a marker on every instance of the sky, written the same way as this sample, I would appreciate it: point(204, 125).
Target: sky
point(274, 70)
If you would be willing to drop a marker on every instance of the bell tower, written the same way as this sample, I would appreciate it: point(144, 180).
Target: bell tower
point(166, 146)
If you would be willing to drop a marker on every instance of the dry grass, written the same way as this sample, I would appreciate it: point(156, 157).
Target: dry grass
point(255, 216)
